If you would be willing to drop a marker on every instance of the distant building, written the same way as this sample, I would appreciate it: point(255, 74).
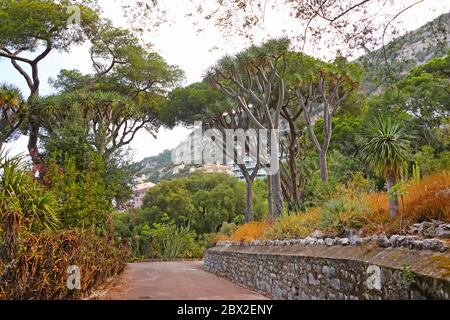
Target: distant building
point(250, 165)
point(216, 168)
point(139, 193)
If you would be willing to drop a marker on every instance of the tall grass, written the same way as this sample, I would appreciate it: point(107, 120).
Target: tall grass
point(291, 226)
point(245, 233)
point(424, 200)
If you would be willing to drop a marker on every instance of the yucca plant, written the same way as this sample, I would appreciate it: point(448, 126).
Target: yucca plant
point(386, 148)
point(12, 111)
point(24, 203)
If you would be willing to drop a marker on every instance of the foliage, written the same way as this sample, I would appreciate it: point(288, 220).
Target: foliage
point(169, 198)
point(228, 228)
point(429, 161)
point(83, 194)
point(386, 147)
point(40, 270)
point(24, 204)
point(69, 145)
point(293, 226)
point(109, 120)
point(340, 216)
point(170, 241)
point(345, 133)
point(26, 21)
point(162, 240)
point(196, 102)
point(421, 99)
point(408, 275)
point(202, 200)
point(12, 111)
point(345, 172)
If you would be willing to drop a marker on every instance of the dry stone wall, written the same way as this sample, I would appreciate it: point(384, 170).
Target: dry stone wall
point(334, 272)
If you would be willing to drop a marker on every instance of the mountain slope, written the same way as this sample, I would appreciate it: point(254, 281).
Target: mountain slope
point(405, 52)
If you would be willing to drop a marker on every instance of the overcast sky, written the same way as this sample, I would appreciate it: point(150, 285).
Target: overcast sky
point(180, 43)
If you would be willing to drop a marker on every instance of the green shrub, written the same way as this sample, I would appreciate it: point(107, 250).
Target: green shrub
point(341, 215)
point(227, 228)
point(170, 241)
point(25, 205)
point(84, 198)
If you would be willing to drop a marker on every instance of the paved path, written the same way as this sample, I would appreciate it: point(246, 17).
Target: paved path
point(175, 281)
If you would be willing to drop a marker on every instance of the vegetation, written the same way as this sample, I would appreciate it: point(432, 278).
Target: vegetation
point(346, 161)
point(183, 212)
point(386, 150)
point(352, 212)
point(41, 266)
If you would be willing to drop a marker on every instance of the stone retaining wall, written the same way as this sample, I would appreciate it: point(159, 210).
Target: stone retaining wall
point(322, 272)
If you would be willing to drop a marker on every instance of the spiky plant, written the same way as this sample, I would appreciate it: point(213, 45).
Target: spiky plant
point(23, 204)
point(12, 111)
point(386, 149)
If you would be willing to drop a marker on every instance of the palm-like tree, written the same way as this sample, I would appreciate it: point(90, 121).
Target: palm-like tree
point(386, 148)
point(12, 111)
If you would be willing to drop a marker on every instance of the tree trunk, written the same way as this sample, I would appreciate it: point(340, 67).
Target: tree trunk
point(270, 198)
point(323, 166)
point(34, 127)
point(277, 197)
point(249, 202)
point(33, 139)
point(393, 198)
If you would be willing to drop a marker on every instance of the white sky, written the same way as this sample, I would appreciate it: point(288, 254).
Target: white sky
point(180, 43)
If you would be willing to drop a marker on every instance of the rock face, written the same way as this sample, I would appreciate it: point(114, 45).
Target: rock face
point(405, 52)
point(312, 272)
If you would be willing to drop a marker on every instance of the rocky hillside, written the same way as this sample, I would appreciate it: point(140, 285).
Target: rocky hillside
point(153, 167)
point(405, 52)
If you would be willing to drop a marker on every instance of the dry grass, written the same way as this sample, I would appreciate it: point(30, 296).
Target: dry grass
point(220, 237)
point(247, 232)
point(424, 200)
point(293, 226)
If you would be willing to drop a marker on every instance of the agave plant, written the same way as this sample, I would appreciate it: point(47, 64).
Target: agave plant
point(386, 148)
point(24, 204)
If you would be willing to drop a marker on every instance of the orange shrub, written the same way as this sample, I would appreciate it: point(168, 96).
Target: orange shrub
point(220, 237)
point(249, 231)
point(426, 199)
